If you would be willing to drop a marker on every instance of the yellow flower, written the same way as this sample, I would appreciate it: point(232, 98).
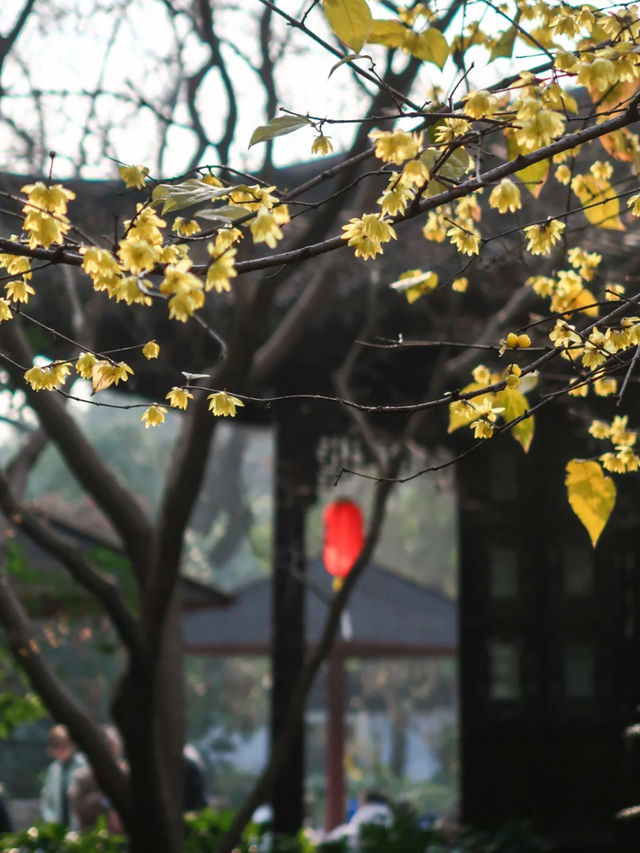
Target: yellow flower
point(47, 378)
point(486, 416)
point(578, 388)
point(185, 227)
point(542, 285)
point(614, 292)
point(153, 416)
point(601, 171)
point(563, 174)
point(414, 283)
point(465, 238)
point(435, 229)
point(226, 237)
point(223, 404)
point(182, 306)
point(145, 225)
point(134, 177)
point(537, 127)
point(19, 291)
point(212, 181)
point(150, 350)
point(481, 374)
point(415, 173)
point(221, 270)
point(45, 229)
point(599, 429)
point(505, 197)
point(606, 387)
point(452, 128)
point(396, 146)
point(542, 237)
point(396, 196)
point(16, 264)
point(479, 104)
point(518, 341)
point(281, 214)
point(128, 290)
point(611, 462)
point(103, 268)
point(265, 229)
point(178, 279)
point(599, 74)
point(5, 311)
point(634, 204)
point(322, 145)
point(179, 397)
point(367, 234)
point(84, 364)
point(52, 199)
point(620, 434)
point(137, 256)
point(460, 284)
point(105, 373)
point(564, 335)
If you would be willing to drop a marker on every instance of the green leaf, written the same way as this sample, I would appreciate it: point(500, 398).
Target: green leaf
point(190, 192)
point(504, 45)
point(515, 404)
point(592, 496)
point(453, 168)
point(222, 213)
point(350, 20)
point(349, 58)
point(277, 127)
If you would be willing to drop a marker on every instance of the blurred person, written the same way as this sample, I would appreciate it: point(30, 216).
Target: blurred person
point(87, 800)
point(373, 808)
point(5, 820)
point(195, 785)
point(54, 798)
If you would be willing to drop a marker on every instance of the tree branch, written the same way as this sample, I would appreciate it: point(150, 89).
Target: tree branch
point(70, 556)
point(117, 503)
point(59, 702)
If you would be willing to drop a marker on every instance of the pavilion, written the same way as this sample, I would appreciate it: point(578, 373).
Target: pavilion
point(387, 616)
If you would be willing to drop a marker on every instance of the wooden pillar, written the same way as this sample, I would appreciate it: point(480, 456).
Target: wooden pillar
point(336, 694)
point(294, 491)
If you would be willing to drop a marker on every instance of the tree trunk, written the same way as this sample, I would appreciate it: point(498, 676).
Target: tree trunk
point(149, 710)
point(295, 485)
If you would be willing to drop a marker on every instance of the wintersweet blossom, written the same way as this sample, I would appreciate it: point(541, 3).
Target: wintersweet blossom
point(223, 404)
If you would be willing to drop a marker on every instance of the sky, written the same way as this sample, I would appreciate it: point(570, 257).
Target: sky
point(132, 53)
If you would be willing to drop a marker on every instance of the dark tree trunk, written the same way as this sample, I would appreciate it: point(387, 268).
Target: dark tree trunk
point(149, 711)
point(295, 484)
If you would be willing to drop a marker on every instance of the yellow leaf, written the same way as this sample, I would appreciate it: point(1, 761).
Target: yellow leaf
point(350, 20)
point(515, 404)
point(602, 203)
point(430, 46)
point(592, 496)
point(456, 418)
point(389, 33)
point(101, 376)
point(534, 176)
point(581, 300)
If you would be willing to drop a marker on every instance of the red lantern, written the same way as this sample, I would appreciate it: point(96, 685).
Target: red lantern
point(343, 538)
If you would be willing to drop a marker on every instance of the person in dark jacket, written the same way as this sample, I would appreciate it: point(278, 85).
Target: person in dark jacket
point(195, 786)
point(5, 820)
